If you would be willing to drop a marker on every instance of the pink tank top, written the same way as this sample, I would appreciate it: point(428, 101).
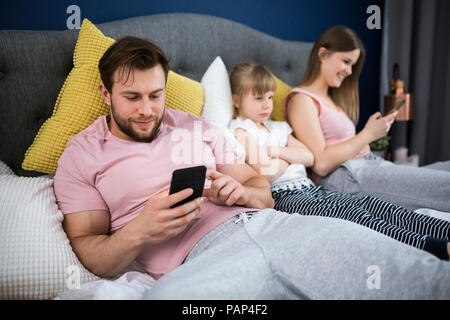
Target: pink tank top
point(336, 125)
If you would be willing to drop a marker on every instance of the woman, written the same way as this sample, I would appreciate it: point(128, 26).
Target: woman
point(322, 111)
point(273, 152)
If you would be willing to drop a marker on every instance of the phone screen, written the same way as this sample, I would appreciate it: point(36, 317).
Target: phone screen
point(192, 177)
point(397, 106)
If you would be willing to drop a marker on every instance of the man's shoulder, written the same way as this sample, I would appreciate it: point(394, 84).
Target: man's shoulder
point(83, 149)
point(184, 120)
point(178, 114)
point(88, 138)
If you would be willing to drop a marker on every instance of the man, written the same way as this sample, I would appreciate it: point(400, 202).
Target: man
point(111, 185)
point(109, 171)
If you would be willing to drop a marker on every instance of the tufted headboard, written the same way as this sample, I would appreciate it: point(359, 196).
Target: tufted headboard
point(34, 64)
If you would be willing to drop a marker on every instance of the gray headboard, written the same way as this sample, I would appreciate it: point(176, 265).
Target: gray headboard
point(34, 64)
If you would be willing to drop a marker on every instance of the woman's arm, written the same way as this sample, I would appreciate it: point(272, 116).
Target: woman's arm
point(258, 158)
point(294, 152)
point(303, 116)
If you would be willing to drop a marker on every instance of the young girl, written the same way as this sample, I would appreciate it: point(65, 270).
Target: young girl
point(323, 110)
point(273, 151)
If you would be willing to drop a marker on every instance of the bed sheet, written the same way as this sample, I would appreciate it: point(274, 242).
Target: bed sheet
point(130, 285)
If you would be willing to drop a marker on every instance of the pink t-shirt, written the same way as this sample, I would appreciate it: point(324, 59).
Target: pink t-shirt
point(335, 124)
point(99, 171)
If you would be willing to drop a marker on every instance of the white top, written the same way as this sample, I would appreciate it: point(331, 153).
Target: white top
point(276, 136)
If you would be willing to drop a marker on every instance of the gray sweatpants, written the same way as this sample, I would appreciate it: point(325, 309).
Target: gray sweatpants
point(407, 186)
point(439, 165)
point(280, 256)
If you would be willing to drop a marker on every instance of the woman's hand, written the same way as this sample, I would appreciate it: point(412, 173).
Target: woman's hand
point(378, 126)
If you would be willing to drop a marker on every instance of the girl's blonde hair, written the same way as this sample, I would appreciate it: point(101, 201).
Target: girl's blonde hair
point(250, 76)
point(338, 39)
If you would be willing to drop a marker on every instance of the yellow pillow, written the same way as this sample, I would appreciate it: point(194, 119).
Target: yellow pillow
point(79, 102)
point(278, 108)
point(184, 94)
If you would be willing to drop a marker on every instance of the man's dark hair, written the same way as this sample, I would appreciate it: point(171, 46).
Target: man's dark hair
point(129, 53)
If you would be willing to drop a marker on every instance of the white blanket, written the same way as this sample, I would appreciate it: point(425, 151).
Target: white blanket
point(131, 285)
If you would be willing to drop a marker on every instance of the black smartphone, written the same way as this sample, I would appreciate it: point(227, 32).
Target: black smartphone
point(397, 106)
point(192, 177)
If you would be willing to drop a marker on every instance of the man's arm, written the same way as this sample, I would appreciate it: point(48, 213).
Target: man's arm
point(107, 255)
point(102, 254)
point(239, 184)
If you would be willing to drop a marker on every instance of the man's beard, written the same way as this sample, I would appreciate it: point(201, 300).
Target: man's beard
point(126, 126)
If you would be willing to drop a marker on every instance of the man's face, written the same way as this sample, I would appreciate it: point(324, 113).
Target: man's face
point(137, 106)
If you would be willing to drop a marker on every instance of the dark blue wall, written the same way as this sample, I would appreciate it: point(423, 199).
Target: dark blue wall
point(290, 20)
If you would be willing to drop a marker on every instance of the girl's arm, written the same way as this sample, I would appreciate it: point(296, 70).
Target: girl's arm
point(257, 157)
point(303, 116)
point(294, 152)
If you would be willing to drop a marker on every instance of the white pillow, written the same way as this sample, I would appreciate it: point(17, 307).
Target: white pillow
point(4, 169)
point(36, 259)
point(218, 106)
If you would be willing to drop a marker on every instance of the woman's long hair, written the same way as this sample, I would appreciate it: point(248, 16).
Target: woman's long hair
point(338, 39)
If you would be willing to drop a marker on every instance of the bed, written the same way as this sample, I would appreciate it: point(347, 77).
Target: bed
point(43, 80)
point(34, 66)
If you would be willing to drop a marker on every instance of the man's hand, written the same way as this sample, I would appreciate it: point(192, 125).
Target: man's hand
point(225, 190)
point(157, 222)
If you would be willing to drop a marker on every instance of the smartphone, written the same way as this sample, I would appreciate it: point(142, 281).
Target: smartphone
point(192, 177)
point(397, 106)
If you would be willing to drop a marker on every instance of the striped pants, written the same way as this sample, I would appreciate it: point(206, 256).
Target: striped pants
point(423, 232)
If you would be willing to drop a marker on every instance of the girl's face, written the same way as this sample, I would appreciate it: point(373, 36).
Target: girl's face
point(254, 107)
point(336, 66)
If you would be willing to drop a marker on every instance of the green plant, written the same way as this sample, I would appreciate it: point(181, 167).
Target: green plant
point(380, 144)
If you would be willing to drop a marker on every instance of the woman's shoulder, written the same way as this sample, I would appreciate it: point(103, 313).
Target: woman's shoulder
point(305, 99)
point(304, 94)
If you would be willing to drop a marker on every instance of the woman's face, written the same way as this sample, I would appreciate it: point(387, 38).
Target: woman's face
point(336, 66)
